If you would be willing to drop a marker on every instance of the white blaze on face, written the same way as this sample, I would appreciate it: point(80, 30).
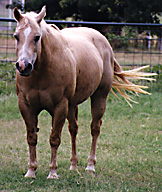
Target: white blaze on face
point(27, 32)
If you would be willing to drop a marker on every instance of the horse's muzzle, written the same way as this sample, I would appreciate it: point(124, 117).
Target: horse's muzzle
point(24, 67)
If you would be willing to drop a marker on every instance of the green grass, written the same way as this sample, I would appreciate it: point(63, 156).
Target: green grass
point(129, 154)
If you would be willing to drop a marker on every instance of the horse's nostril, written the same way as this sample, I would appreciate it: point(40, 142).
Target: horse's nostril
point(29, 66)
point(17, 65)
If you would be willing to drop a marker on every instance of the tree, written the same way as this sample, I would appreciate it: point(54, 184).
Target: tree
point(115, 10)
point(140, 11)
point(53, 7)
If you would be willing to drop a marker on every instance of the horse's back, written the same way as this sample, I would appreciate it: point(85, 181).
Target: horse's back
point(86, 35)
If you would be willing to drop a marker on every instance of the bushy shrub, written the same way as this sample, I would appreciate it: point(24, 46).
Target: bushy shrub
point(122, 40)
point(7, 78)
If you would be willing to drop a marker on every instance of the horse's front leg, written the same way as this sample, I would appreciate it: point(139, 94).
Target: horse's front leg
point(31, 128)
point(58, 121)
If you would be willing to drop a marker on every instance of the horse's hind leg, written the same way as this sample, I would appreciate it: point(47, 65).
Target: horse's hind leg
point(73, 129)
point(98, 105)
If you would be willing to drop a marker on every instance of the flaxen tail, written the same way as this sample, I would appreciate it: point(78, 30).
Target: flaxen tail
point(122, 85)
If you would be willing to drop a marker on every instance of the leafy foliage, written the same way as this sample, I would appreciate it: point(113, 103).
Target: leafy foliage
point(7, 78)
point(103, 10)
point(17, 4)
point(121, 40)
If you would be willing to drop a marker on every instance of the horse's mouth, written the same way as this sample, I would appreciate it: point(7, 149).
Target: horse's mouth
point(23, 74)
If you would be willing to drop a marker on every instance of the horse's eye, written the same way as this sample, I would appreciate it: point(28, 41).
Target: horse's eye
point(16, 37)
point(36, 38)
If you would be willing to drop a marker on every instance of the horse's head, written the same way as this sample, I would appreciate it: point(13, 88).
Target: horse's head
point(28, 34)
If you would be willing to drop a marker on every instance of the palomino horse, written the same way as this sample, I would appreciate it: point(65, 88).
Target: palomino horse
point(56, 71)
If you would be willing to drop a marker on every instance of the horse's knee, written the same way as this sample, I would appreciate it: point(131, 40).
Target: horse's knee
point(32, 138)
point(95, 132)
point(55, 142)
point(95, 128)
point(73, 129)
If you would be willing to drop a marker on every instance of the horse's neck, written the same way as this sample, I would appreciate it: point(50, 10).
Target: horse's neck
point(51, 42)
point(51, 38)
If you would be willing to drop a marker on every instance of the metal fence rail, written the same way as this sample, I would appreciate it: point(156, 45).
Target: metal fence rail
point(90, 23)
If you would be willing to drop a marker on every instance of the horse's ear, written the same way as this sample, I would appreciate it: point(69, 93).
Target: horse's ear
point(17, 14)
point(41, 15)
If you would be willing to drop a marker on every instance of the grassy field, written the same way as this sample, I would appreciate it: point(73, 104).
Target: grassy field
point(129, 153)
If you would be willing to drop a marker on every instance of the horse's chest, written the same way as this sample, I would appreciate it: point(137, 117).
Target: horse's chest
point(44, 99)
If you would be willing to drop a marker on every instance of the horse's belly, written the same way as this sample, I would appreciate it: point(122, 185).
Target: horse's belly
point(87, 83)
point(82, 94)
point(89, 71)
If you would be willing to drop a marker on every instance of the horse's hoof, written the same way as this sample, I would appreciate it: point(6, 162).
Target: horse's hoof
point(73, 168)
point(30, 174)
point(52, 175)
point(91, 170)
